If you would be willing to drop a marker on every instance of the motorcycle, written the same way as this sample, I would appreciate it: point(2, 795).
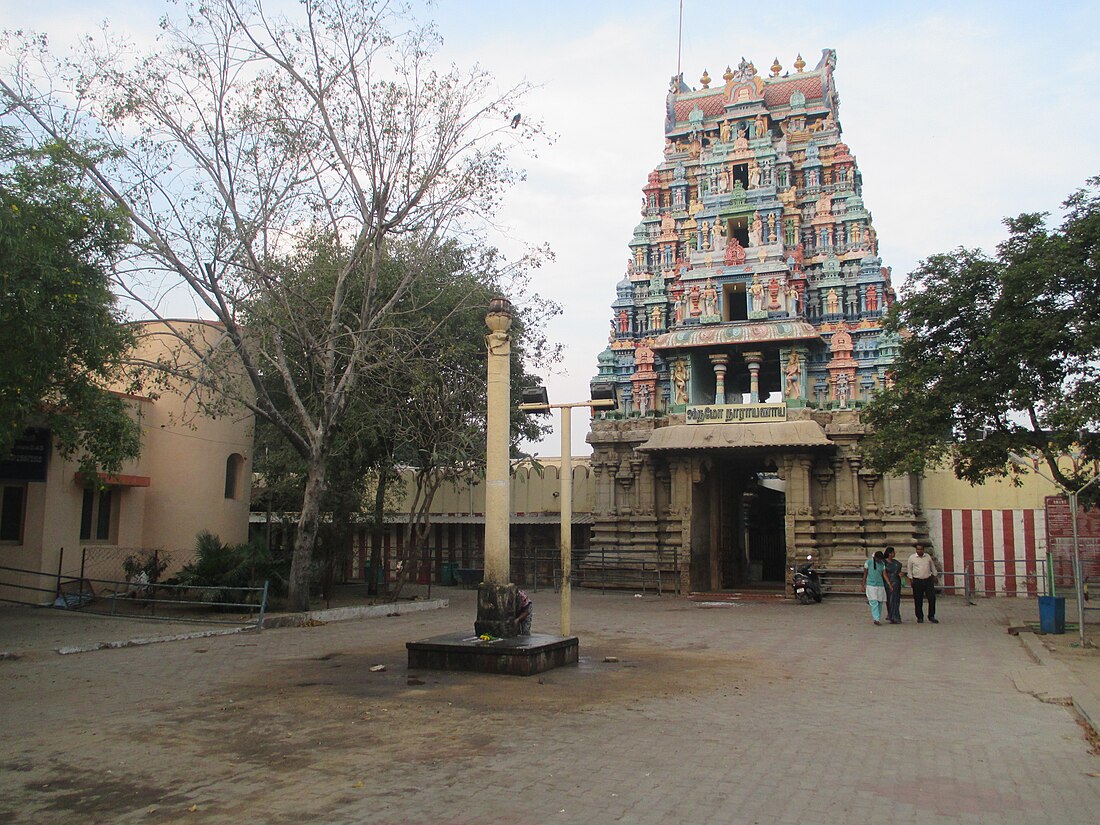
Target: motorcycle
point(807, 582)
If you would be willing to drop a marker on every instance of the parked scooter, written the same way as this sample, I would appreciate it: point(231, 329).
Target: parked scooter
point(807, 582)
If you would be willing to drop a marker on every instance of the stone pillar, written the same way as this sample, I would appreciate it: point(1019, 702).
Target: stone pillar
point(720, 362)
point(496, 597)
point(754, 360)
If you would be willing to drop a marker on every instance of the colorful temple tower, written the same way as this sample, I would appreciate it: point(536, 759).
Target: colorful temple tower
point(745, 335)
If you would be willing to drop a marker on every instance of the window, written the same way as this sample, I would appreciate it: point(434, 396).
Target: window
point(233, 466)
point(12, 503)
point(98, 515)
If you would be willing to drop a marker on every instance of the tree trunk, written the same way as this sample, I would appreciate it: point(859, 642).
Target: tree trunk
point(377, 527)
point(309, 522)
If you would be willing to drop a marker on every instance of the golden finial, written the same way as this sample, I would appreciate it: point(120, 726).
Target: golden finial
point(705, 79)
point(776, 68)
point(799, 64)
point(728, 76)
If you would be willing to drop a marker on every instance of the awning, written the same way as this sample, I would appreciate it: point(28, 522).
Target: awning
point(737, 436)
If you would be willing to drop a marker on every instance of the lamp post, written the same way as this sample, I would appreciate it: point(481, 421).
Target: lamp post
point(1078, 583)
point(536, 401)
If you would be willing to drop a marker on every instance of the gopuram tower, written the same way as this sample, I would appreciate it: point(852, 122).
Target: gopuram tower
point(745, 336)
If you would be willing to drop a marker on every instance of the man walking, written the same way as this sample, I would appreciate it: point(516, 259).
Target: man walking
point(922, 575)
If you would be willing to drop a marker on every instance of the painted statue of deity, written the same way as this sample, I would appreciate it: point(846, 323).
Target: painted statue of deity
point(710, 300)
point(756, 296)
point(756, 231)
point(695, 301)
point(793, 373)
point(735, 253)
point(680, 381)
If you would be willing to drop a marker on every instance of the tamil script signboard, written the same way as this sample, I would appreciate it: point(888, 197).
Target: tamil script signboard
point(29, 457)
point(736, 413)
point(1059, 524)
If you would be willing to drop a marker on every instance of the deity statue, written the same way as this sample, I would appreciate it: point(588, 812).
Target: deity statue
point(624, 321)
point(710, 300)
point(735, 253)
point(755, 232)
point(678, 310)
point(643, 399)
point(694, 301)
point(611, 337)
point(793, 371)
point(679, 382)
point(724, 131)
point(741, 141)
point(754, 176)
point(842, 390)
point(761, 126)
point(792, 299)
point(756, 295)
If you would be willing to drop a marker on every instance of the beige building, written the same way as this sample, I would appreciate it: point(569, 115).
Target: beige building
point(194, 473)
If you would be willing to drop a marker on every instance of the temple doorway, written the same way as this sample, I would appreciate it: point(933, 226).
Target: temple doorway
point(739, 537)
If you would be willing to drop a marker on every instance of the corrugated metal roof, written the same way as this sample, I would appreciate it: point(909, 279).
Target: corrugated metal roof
point(737, 436)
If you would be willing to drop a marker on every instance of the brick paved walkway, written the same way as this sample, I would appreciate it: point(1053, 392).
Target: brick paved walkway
point(752, 713)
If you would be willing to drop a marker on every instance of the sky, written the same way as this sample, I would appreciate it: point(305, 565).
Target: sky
point(958, 113)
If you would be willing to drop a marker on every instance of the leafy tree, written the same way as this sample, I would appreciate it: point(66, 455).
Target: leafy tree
point(1000, 354)
point(61, 331)
point(239, 139)
point(422, 402)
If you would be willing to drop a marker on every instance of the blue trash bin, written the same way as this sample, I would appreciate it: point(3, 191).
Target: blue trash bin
point(1052, 614)
point(447, 573)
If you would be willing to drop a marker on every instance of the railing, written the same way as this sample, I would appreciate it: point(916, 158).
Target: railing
point(993, 577)
point(613, 568)
point(850, 581)
point(138, 599)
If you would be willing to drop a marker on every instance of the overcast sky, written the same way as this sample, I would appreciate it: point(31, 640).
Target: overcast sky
point(958, 114)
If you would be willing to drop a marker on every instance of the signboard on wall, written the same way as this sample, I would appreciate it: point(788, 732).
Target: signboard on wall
point(1059, 521)
point(29, 456)
point(736, 413)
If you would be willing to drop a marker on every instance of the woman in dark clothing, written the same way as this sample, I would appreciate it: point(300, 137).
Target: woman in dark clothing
point(893, 586)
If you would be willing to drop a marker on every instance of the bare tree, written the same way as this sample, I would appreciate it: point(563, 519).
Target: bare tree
point(243, 136)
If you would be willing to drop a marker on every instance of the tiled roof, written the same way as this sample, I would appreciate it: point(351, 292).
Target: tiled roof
point(777, 93)
point(712, 105)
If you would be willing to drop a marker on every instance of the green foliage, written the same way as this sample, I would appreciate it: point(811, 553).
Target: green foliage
point(145, 566)
point(220, 568)
point(1001, 354)
point(61, 331)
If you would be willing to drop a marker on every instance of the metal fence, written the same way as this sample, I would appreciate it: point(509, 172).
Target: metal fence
point(135, 598)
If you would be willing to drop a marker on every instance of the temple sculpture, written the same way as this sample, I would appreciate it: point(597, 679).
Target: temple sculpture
point(745, 336)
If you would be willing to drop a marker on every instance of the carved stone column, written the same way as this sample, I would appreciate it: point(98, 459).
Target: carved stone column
point(721, 363)
point(754, 360)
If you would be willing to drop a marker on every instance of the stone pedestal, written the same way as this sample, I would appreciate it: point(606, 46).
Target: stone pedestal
point(496, 610)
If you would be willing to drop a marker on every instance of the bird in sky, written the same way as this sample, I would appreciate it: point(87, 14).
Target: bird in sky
point(515, 120)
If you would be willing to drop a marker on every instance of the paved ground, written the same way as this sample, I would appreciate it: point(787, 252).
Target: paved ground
point(760, 712)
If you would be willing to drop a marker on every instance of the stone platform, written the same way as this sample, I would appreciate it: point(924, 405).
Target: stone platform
point(517, 656)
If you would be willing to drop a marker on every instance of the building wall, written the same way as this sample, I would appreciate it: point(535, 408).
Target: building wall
point(160, 501)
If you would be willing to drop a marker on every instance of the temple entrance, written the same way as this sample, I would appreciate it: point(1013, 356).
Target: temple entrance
point(738, 516)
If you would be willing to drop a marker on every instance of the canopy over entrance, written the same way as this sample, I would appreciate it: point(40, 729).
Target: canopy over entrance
point(683, 437)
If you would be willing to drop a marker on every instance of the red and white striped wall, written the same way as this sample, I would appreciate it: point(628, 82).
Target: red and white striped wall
point(1006, 549)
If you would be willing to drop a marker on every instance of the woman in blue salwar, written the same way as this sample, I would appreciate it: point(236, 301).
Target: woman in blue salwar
point(875, 585)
